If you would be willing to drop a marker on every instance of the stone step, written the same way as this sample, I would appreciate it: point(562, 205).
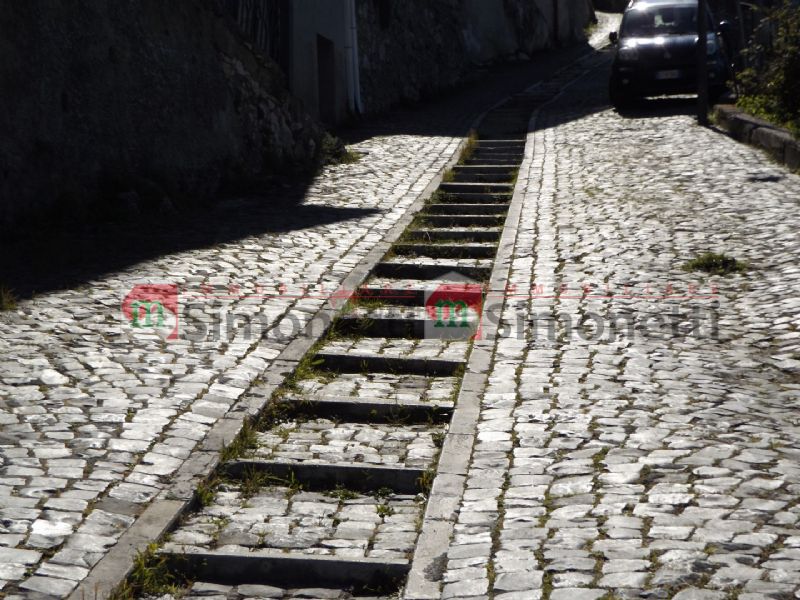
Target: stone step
point(406, 292)
point(473, 198)
point(475, 250)
point(507, 170)
point(204, 590)
point(518, 142)
point(389, 388)
point(363, 363)
point(499, 159)
point(368, 578)
point(506, 127)
point(456, 188)
point(493, 159)
point(515, 153)
point(387, 347)
point(451, 208)
point(430, 357)
point(389, 322)
point(361, 477)
point(448, 269)
point(325, 441)
point(374, 410)
point(487, 234)
point(400, 321)
point(428, 220)
point(474, 177)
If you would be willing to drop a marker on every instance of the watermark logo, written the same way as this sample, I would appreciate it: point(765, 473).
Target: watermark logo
point(153, 308)
point(453, 310)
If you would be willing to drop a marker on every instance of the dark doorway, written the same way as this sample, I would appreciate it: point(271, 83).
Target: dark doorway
point(326, 79)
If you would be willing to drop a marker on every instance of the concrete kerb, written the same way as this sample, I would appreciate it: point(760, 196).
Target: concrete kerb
point(427, 567)
point(161, 515)
point(779, 143)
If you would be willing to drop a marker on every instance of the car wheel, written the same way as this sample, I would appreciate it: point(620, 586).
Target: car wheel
point(716, 92)
point(620, 99)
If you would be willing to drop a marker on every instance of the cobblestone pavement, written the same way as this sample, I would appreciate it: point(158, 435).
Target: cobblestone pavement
point(96, 416)
point(323, 440)
point(343, 525)
point(650, 460)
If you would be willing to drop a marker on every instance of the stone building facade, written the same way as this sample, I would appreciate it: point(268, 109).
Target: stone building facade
point(346, 57)
point(129, 106)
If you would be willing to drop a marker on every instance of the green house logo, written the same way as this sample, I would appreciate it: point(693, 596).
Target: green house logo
point(452, 313)
point(153, 306)
point(144, 309)
point(453, 309)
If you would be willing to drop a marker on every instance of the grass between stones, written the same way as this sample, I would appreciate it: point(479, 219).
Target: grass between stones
point(242, 443)
point(333, 152)
point(715, 264)
point(470, 146)
point(151, 575)
point(8, 301)
point(425, 481)
point(439, 197)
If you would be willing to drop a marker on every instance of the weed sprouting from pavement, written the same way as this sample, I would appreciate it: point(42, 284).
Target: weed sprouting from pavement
point(8, 301)
point(242, 443)
point(439, 197)
point(470, 146)
point(205, 492)
point(438, 438)
point(151, 575)
point(715, 264)
point(342, 493)
point(425, 481)
point(333, 152)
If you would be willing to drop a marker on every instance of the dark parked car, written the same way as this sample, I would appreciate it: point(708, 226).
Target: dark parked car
point(657, 52)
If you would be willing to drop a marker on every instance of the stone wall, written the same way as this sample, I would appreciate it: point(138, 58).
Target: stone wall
point(410, 49)
point(129, 102)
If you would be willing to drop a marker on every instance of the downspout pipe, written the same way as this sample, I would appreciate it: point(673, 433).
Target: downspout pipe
point(356, 62)
point(348, 36)
point(353, 68)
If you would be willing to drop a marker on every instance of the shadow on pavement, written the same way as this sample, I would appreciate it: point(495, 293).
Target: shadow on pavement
point(38, 261)
point(34, 264)
point(660, 107)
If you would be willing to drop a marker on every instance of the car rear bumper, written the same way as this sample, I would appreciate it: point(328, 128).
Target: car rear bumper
point(664, 81)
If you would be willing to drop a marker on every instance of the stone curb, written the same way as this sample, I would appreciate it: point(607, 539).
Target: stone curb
point(779, 143)
point(166, 510)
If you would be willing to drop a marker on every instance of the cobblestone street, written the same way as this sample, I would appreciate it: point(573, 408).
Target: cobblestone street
point(98, 417)
point(634, 431)
point(649, 460)
point(83, 396)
